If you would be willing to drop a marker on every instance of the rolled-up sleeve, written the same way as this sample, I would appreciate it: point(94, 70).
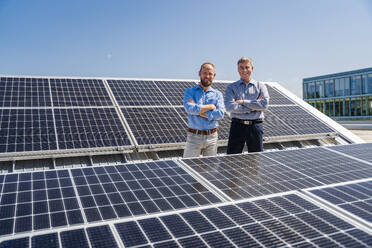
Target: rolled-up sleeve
point(259, 104)
point(218, 113)
point(190, 108)
point(231, 105)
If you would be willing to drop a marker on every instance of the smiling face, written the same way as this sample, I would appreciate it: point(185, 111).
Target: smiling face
point(206, 75)
point(245, 71)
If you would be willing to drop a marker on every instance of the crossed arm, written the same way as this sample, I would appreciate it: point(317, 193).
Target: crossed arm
point(241, 106)
point(208, 111)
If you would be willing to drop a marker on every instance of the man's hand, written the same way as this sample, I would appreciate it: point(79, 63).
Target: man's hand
point(190, 100)
point(203, 115)
point(207, 107)
point(239, 101)
point(260, 97)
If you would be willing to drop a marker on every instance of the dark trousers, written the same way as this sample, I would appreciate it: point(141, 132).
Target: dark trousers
point(241, 134)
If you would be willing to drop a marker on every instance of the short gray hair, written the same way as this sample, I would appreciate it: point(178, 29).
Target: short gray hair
point(245, 60)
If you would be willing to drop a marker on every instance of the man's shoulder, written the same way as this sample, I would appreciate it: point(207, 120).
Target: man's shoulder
point(192, 88)
point(234, 84)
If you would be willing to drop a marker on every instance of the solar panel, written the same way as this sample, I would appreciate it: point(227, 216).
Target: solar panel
point(26, 130)
point(355, 198)
point(322, 165)
point(275, 127)
point(248, 175)
point(220, 86)
point(244, 176)
point(79, 92)
point(156, 125)
point(361, 151)
point(299, 120)
point(259, 226)
point(38, 200)
point(174, 90)
point(278, 98)
point(137, 93)
point(24, 92)
point(89, 127)
point(41, 200)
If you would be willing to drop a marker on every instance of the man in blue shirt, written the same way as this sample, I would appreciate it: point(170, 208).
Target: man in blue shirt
point(246, 100)
point(204, 107)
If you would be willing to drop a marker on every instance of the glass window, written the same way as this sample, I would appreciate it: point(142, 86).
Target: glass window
point(365, 106)
point(329, 88)
point(339, 87)
point(329, 107)
point(346, 86)
point(347, 107)
point(356, 106)
point(355, 85)
point(320, 105)
point(370, 105)
point(365, 84)
point(369, 91)
point(311, 90)
point(339, 107)
point(319, 87)
point(304, 88)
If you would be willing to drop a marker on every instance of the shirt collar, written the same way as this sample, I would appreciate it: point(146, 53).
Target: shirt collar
point(252, 81)
point(210, 88)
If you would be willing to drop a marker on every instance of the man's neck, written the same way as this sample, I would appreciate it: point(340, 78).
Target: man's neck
point(204, 88)
point(246, 82)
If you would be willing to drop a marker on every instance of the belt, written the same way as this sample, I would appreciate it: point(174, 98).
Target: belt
point(202, 132)
point(247, 122)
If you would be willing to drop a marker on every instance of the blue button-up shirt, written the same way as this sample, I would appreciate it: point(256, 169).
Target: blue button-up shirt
point(211, 96)
point(252, 107)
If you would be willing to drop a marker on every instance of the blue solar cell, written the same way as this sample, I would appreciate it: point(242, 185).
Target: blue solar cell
point(41, 221)
point(74, 217)
point(163, 205)
point(282, 231)
point(216, 239)
point(6, 226)
point(107, 212)
point(330, 218)
point(15, 243)
point(325, 242)
point(192, 242)
point(54, 194)
point(7, 211)
point(346, 240)
point(361, 235)
point(122, 210)
point(166, 244)
point(317, 223)
point(24, 197)
point(56, 205)
point(150, 206)
point(92, 214)
point(74, 238)
point(101, 236)
point(96, 189)
point(130, 234)
point(154, 230)
point(263, 235)
point(71, 203)
point(101, 200)
point(177, 226)
point(217, 218)
point(68, 192)
point(8, 199)
point(254, 211)
point(136, 208)
point(198, 222)
point(240, 238)
point(49, 240)
point(23, 186)
point(58, 219)
point(24, 209)
point(39, 195)
point(236, 214)
point(23, 224)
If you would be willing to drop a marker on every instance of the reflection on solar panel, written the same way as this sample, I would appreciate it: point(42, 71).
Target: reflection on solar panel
point(220, 86)
point(323, 165)
point(299, 120)
point(279, 221)
point(174, 90)
point(24, 92)
point(42, 200)
point(274, 126)
point(277, 98)
point(361, 151)
point(355, 198)
point(243, 176)
point(79, 92)
point(156, 125)
point(89, 127)
point(137, 93)
point(26, 130)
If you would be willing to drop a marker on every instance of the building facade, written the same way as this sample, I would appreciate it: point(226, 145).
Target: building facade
point(345, 95)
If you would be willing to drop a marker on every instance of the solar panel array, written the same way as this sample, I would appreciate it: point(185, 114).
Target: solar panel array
point(249, 175)
point(190, 202)
point(270, 222)
point(40, 200)
point(70, 113)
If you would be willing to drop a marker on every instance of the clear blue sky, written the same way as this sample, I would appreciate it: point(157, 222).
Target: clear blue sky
point(287, 40)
